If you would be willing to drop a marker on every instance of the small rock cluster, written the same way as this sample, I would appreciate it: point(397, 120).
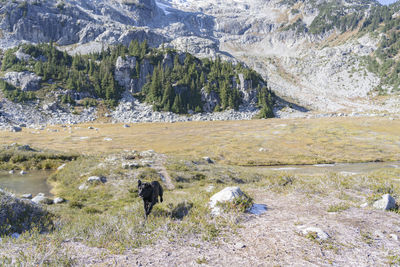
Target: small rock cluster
point(91, 181)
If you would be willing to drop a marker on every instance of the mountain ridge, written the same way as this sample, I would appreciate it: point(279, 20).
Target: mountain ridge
point(299, 47)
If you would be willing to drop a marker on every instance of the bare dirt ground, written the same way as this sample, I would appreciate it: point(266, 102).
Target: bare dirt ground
point(358, 237)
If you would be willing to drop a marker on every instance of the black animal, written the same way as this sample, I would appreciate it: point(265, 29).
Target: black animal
point(149, 192)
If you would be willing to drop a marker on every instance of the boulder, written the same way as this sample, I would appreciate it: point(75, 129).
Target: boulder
point(83, 186)
point(27, 196)
point(58, 200)
point(15, 129)
point(96, 179)
point(208, 160)
point(42, 199)
point(25, 148)
point(15, 235)
point(228, 194)
point(387, 202)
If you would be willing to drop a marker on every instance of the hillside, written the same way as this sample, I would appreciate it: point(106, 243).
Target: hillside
point(328, 57)
point(47, 79)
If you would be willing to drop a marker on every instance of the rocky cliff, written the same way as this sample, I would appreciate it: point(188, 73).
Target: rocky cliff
point(310, 52)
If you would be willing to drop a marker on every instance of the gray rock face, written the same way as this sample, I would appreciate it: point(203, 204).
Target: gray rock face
point(124, 70)
point(387, 202)
point(26, 80)
point(210, 100)
point(22, 56)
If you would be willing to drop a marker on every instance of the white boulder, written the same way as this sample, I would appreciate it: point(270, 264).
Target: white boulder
point(387, 202)
point(228, 194)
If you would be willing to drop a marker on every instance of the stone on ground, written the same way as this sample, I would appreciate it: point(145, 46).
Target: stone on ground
point(320, 234)
point(228, 194)
point(42, 199)
point(387, 202)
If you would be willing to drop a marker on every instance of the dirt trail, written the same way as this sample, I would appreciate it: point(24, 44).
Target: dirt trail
point(158, 165)
point(358, 236)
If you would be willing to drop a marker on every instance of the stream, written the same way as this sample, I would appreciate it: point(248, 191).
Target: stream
point(342, 168)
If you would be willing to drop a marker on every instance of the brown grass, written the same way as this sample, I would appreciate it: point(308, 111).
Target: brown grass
point(286, 141)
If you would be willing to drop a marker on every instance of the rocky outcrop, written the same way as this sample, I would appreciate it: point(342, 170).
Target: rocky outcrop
point(26, 80)
point(210, 100)
point(19, 215)
point(124, 70)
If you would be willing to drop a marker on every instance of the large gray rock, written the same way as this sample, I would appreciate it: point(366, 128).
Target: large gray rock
point(42, 199)
point(387, 202)
point(96, 179)
point(228, 194)
point(26, 80)
point(15, 129)
point(27, 196)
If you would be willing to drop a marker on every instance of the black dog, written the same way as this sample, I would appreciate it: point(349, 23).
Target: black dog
point(149, 192)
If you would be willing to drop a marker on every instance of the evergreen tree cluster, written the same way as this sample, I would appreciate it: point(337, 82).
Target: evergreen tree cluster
point(91, 73)
point(335, 15)
point(175, 87)
point(385, 60)
point(14, 94)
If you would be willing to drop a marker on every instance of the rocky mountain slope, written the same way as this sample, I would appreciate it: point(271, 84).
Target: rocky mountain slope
point(312, 53)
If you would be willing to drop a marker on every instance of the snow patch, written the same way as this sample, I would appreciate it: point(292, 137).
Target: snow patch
point(258, 209)
point(164, 6)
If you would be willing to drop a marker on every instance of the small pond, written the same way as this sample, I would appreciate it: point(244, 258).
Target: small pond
point(33, 182)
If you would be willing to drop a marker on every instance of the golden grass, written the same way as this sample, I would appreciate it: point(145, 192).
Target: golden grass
point(284, 141)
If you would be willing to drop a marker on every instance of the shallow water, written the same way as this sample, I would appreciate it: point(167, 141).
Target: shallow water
point(33, 182)
point(343, 168)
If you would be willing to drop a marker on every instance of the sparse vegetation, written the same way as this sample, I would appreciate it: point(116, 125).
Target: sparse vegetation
point(338, 207)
